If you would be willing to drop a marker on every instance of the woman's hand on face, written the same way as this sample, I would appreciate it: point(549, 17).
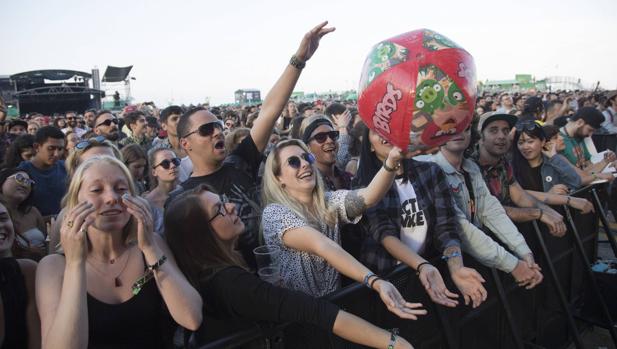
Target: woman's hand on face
point(550, 149)
point(73, 232)
point(435, 287)
point(469, 283)
point(559, 189)
point(581, 204)
point(139, 208)
point(310, 41)
point(396, 303)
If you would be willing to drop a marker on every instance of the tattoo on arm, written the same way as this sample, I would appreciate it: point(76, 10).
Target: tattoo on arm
point(355, 204)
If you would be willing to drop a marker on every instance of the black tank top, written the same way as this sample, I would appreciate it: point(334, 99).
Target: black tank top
point(14, 300)
point(140, 322)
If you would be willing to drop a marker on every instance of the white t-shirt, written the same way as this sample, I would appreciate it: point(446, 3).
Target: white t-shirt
point(413, 223)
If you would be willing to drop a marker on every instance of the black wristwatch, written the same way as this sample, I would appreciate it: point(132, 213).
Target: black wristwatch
point(297, 62)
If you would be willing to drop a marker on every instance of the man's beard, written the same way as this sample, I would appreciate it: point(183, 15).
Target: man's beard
point(113, 136)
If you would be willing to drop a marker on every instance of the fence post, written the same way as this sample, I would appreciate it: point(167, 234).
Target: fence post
point(516, 334)
point(562, 297)
point(607, 229)
point(594, 285)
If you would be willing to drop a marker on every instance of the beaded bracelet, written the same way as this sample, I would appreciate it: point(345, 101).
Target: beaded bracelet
point(393, 334)
point(148, 275)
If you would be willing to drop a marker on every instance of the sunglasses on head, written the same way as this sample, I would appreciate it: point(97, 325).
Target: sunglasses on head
point(207, 129)
point(108, 122)
point(322, 136)
point(22, 179)
point(89, 142)
point(527, 125)
point(295, 162)
point(166, 164)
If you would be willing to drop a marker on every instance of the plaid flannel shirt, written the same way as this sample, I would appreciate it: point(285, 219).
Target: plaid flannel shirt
point(434, 198)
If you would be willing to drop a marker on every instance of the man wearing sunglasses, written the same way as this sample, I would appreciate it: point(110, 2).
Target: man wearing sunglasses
point(71, 124)
point(201, 136)
point(106, 125)
point(477, 208)
point(490, 155)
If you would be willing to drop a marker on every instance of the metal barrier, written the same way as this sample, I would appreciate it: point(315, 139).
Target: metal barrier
point(511, 317)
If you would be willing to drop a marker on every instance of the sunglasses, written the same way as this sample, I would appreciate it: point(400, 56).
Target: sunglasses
point(322, 136)
point(222, 210)
point(90, 142)
point(295, 162)
point(207, 129)
point(527, 125)
point(166, 164)
point(22, 179)
point(108, 122)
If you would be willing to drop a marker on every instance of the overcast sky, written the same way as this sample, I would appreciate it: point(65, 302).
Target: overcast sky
point(187, 51)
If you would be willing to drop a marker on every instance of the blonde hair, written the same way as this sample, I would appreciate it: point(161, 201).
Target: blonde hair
point(70, 200)
point(273, 193)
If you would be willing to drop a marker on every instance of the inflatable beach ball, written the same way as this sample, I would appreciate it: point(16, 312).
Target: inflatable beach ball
point(417, 90)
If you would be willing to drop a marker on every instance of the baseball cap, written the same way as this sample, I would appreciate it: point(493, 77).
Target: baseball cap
point(592, 116)
point(489, 117)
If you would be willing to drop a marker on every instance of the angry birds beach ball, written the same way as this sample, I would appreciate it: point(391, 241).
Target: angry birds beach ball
point(417, 90)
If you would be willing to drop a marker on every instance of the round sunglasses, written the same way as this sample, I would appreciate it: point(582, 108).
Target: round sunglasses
point(207, 129)
point(22, 179)
point(322, 136)
point(166, 164)
point(295, 161)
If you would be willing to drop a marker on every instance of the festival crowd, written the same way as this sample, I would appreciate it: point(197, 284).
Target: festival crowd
point(118, 229)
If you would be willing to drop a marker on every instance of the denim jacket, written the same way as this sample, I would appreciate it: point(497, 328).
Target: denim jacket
point(557, 170)
point(489, 213)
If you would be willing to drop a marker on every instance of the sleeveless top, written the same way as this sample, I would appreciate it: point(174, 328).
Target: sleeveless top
point(14, 301)
point(141, 322)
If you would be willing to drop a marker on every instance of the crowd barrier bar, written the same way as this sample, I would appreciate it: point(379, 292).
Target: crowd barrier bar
point(402, 272)
point(587, 268)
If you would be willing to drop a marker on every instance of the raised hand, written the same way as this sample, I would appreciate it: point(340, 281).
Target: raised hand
point(310, 41)
point(435, 287)
point(469, 283)
point(342, 120)
point(138, 208)
point(396, 303)
point(73, 232)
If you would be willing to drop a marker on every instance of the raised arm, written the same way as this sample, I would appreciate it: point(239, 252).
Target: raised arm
point(278, 96)
point(359, 200)
point(182, 300)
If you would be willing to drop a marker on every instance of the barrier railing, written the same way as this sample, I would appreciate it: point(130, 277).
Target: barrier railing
point(511, 317)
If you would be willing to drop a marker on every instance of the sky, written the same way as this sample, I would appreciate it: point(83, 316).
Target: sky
point(193, 51)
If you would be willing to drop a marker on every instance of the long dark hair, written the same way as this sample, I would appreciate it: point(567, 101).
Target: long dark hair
point(532, 129)
point(13, 153)
point(198, 251)
point(369, 162)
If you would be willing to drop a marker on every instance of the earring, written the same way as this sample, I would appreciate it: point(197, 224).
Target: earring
point(283, 185)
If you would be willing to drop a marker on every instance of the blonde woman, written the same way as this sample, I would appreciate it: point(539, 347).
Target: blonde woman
point(116, 278)
point(302, 219)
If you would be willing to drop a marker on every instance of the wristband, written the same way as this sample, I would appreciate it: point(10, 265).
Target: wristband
point(388, 168)
point(373, 281)
point(393, 334)
point(297, 62)
point(418, 268)
point(452, 255)
point(367, 277)
point(157, 265)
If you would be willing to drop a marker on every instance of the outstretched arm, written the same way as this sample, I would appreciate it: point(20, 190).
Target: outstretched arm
point(278, 96)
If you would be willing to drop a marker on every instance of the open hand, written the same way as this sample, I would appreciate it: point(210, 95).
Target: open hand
point(435, 287)
point(139, 208)
point(310, 41)
point(396, 303)
point(469, 283)
point(73, 232)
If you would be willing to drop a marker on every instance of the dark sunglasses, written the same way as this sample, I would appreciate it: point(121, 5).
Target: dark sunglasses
point(108, 122)
point(295, 162)
point(527, 125)
point(322, 136)
point(207, 129)
point(89, 142)
point(166, 164)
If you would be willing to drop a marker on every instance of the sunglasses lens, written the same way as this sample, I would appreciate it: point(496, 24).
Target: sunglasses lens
point(175, 161)
point(294, 162)
point(334, 135)
point(308, 157)
point(165, 164)
point(206, 130)
point(321, 137)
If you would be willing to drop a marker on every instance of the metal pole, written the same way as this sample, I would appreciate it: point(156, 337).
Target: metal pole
point(562, 296)
point(506, 308)
point(607, 229)
point(594, 285)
